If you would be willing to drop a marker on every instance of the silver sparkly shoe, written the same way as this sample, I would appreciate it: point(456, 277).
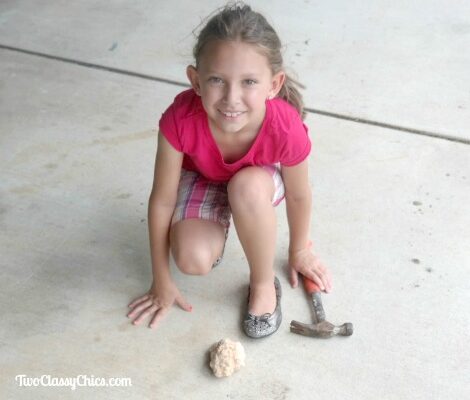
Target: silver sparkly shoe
point(264, 325)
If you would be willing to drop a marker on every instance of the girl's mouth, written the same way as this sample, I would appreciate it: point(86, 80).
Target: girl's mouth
point(231, 115)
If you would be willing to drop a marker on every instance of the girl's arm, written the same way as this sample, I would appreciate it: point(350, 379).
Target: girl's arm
point(299, 209)
point(163, 293)
point(298, 205)
point(162, 203)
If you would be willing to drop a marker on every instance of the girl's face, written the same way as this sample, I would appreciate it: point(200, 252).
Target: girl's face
point(234, 81)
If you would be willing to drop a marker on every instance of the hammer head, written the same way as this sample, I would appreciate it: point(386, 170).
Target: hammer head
point(323, 329)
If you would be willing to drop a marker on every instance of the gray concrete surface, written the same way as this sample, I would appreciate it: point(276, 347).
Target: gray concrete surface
point(391, 216)
point(399, 62)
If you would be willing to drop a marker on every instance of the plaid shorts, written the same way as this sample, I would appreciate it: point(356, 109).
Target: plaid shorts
point(204, 199)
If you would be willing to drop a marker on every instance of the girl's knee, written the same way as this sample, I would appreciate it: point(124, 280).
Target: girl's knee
point(193, 261)
point(196, 245)
point(250, 186)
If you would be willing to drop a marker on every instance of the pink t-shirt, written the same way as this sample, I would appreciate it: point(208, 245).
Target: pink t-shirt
point(283, 138)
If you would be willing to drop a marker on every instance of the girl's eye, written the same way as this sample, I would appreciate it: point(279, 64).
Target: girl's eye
point(250, 82)
point(216, 81)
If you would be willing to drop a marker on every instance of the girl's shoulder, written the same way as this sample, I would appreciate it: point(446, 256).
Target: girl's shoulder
point(186, 104)
point(183, 116)
point(289, 133)
point(284, 108)
point(284, 115)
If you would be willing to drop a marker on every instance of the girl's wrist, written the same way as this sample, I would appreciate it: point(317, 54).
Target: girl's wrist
point(296, 249)
point(161, 272)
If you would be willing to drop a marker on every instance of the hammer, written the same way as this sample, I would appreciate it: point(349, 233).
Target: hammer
point(320, 328)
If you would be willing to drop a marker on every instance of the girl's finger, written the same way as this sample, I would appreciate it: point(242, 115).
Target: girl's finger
point(329, 283)
point(183, 303)
point(294, 277)
point(144, 314)
point(140, 307)
point(320, 267)
point(138, 300)
point(159, 315)
point(325, 277)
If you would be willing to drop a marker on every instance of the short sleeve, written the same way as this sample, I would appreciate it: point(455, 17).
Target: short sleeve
point(297, 143)
point(169, 127)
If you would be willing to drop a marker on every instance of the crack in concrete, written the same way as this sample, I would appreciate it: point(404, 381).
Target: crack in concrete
point(181, 84)
point(389, 126)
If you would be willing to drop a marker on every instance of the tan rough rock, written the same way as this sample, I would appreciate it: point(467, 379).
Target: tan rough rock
point(227, 357)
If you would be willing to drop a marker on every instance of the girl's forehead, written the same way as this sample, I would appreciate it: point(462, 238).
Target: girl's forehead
point(219, 54)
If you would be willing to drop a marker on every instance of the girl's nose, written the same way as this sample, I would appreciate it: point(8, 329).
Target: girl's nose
point(231, 95)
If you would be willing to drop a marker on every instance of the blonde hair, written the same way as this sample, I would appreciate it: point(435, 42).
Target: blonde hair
point(238, 22)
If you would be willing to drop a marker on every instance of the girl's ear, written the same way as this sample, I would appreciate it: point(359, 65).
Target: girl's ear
point(193, 77)
point(277, 83)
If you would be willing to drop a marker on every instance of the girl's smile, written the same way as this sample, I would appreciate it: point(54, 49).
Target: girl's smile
point(231, 115)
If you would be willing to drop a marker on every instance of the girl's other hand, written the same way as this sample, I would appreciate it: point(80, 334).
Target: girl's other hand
point(309, 265)
point(156, 303)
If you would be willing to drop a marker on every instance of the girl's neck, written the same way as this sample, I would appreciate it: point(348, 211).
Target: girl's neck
point(235, 145)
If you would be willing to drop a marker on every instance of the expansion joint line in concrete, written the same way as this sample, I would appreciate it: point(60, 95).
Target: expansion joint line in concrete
point(389, 126)
point(177, 83)
point(93, 66)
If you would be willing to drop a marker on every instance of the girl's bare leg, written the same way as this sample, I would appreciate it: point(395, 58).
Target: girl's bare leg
point(250, 194)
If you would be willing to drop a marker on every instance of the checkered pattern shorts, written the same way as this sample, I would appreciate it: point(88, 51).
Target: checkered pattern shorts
point(204, 199)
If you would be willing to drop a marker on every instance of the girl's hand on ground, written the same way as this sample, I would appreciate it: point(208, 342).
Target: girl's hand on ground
point(306, 263)
point(156, 303)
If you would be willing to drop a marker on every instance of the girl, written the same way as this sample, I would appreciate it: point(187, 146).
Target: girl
point(234, 144)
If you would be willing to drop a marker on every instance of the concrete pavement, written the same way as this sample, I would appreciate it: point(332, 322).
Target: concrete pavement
point(391, 218)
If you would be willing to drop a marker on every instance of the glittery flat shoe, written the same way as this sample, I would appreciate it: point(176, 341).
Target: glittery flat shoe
point(264, 325)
